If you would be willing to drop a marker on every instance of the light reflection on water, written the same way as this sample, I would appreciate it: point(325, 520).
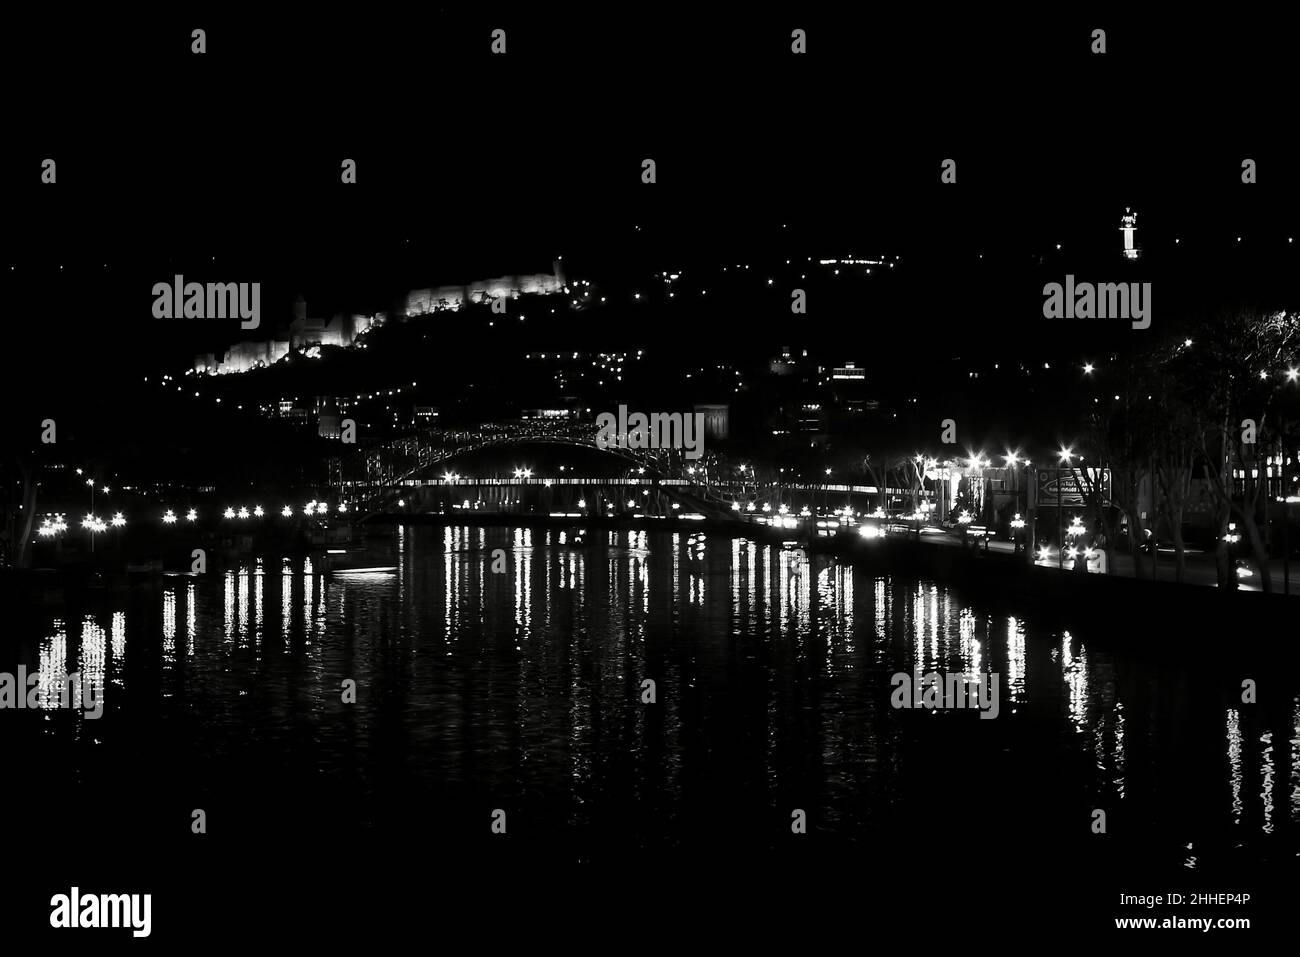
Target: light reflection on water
point(771, 670)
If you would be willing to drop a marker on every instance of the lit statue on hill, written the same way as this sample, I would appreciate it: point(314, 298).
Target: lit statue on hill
point(1128, 226)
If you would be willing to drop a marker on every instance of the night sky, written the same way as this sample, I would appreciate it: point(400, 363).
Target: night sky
point(225, 168)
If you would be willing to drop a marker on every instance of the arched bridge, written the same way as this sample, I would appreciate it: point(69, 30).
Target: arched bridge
point(375, 476)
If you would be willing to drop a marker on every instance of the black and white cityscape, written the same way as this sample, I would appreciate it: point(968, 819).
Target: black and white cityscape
point(602, 478)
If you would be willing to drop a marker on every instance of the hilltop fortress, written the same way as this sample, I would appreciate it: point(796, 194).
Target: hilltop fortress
point(420, 302)
point(307, 335)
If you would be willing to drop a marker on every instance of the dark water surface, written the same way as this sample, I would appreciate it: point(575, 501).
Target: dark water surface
point(521, 690)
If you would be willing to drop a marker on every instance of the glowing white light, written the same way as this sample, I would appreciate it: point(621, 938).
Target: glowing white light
point(228, 513)
point(287, 511)
point(169, 517)
point(191, 515)
point(343, 507)
point(257, 510)
point(322, 508)
point(118, 520)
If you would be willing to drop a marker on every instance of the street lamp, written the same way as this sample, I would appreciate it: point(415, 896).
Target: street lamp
point(1017, 527)
point(93, 525)
point(1076, 533)
point(1067, 453)
point(1232, 537)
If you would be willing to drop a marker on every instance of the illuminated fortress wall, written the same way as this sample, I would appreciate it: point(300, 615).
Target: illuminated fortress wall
point(420, 302)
